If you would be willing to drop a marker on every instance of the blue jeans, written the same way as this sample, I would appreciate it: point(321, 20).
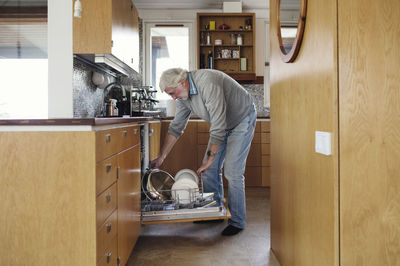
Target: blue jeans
point(232, 154)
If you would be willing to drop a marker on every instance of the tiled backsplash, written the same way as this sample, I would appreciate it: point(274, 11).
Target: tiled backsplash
point(89, 99)
point(257, 92)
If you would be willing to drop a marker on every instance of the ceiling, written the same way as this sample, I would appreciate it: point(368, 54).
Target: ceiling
point(209, 4)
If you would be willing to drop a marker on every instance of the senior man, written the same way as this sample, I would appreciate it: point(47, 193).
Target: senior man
point(228, 108)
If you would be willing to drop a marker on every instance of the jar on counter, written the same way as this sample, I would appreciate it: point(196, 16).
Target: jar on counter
point(233, 38)
point(239, 39)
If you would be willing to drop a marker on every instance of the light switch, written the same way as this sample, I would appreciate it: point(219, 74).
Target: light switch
point(323, 142)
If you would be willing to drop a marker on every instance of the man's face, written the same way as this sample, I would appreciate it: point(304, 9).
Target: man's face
point(180, 92)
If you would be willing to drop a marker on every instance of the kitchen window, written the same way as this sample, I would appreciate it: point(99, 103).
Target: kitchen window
point(167, 46)
point(23, 59)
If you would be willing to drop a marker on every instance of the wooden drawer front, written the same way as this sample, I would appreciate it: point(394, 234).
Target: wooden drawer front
point(107, 143)
point(256, 138)
point(265, 149)
point(106, 174)
point(105, 235)
point(258, 127)
point(265, 137)
point(265, 160)
point(265, 126)
point(253, 176)
point(266, 173)
point(106, 202)
point(202, 138)
point(254, 157)
point(109, 257)
point(129, 136)
point(203, 127)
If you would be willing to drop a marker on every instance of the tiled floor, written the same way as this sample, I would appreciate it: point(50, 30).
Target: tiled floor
point(202, 244)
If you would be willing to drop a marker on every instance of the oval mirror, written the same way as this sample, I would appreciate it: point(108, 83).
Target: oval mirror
point(290, 33)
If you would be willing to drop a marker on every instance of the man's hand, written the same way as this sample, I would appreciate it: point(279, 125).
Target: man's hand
point(205, 165)
point(157, 162)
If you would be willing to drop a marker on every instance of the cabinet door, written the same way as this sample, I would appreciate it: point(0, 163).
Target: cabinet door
point(92, 32)
point(154, 139)
point(184, 153)
point(128, 201)
point(125, 32)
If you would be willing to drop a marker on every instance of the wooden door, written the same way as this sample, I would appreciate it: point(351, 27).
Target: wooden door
point(304, 184)
point(128, 202)
point(369, 115)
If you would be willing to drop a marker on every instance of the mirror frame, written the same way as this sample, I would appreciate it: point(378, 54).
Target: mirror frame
point(292, 54)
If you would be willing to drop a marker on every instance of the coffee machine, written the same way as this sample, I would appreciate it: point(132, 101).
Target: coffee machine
point(143, 101)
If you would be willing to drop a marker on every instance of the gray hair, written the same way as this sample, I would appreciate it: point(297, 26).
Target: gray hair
point(170, 78)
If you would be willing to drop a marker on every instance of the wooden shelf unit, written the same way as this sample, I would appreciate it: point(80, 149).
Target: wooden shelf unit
point(231, 66)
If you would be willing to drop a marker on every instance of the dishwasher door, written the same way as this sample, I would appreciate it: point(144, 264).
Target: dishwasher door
point(197, 206)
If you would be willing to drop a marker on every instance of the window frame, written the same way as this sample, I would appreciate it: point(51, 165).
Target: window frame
point(147, 25)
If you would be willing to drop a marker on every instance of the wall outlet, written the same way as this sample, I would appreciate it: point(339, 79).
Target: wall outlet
point(323, 142)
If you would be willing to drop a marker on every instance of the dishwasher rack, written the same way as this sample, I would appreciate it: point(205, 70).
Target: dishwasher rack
point(196, 205)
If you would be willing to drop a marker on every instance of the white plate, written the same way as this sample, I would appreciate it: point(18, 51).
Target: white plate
point(187, 173)
point(184, 190)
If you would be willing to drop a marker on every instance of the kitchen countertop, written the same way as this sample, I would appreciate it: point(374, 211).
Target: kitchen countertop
point(73, 121)
point(198, 118)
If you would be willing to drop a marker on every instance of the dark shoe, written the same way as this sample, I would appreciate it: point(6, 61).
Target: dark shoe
point(209, 221)
point(231, 230)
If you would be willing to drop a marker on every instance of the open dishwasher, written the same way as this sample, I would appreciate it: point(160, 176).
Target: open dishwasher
point(177, 199)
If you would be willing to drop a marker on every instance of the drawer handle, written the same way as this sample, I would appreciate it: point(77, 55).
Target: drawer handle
point(108, 197)
point(108, 167)
point(108, 228)
point(135, 131)
point(109, 257)
point(108, 137)
point(151, 132)
point(125, 133)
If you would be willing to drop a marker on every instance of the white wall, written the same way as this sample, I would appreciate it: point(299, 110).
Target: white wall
point(60, 39)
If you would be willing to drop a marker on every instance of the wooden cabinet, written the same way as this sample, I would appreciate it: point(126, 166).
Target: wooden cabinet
point(229, 55)
point(128, 202)
point(190, 149)
point(75, 196)
point(154, 139)
point(108, 27)
point(183, 155)
point(122, 144)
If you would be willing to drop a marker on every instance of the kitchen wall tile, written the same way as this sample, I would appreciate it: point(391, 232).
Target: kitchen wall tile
point(257, 93)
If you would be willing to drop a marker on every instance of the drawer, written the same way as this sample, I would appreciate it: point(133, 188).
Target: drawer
point(106, 202)
point(265, 160)
point(252, 176)
point(201, 151)
point(129, 137)
point(258, 127)
point(107, 143)
point(256, 138)
point(202, 138)
point(265, 126)
point(106, 234)
point(254, 157)
point(106, 174)
point(203, 127)
point(266, 176)
point(109, 257)
point(265, 137)
point(265, 149)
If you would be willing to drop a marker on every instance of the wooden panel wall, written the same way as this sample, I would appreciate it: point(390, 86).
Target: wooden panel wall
point(39, 208)
point(304, 184)
point(369, 80)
